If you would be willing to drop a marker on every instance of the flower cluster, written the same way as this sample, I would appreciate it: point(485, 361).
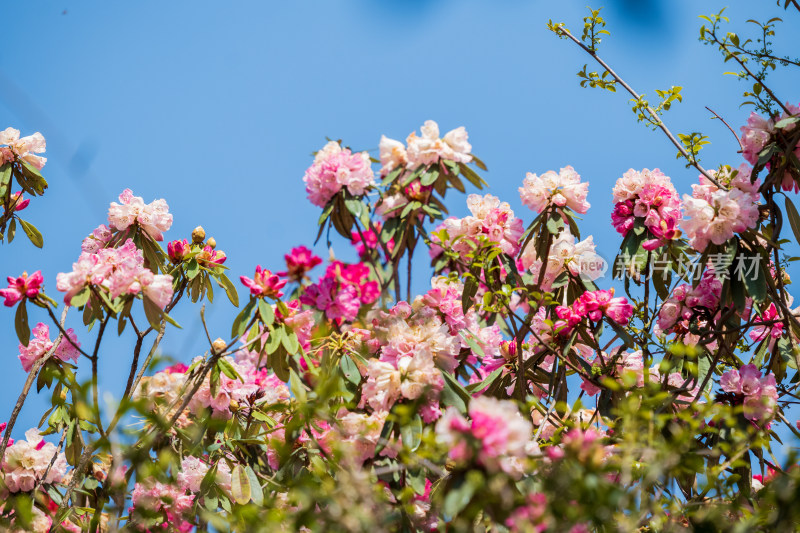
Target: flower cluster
point(562, 189)
point(13, 148)
point(264, 284)
point(342, 290)
point(758, 394)
point(120, 271)
point(491, 220)
point(687, 302)
point(496, 435)
point(152, 496)
point(649, 196)
point(760, 131)
point(335, 168)
point(298, 263)
point(40, 344)
point(27, 461)
point(565, 255)
point(427, 149)
point(714, 214)
point(154, 218)
point(595, 305)
point(193, 470)
point(22, 287)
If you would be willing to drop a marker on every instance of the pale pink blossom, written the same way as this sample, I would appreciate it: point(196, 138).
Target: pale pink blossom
point(758, 394)
point(392, 155)
point(24, 149)
point(40, 344)
point(154, 218)
point(649, 197)
point(429, 149)
point(562, 189)
point(193, 470)
point(153, 496)
point(503, 437)
point(26, 462)
point(566, 255)
point(335, 168)
point(97, 240)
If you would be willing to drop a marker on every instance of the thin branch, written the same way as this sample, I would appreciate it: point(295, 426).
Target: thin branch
point(729, 127)
point(650, 110)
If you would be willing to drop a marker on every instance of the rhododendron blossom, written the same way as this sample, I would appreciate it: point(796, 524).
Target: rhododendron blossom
point(154, 218)
point(14, 148)
point(758, 394)
point(562, 189)
point(429, 149)
point(22, 287)
point(565, 255)
point(714, 214)
point(501, 436)
point(40, 344)
point(26, 462)
point(156, 497)
point(336, 168)
point(120, 271)
point(649, 196)
point(298, 262)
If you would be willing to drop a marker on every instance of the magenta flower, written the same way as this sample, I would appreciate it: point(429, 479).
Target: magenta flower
point(17, 202)
point(299, 261)
point(178, 250)
point(22, 287)
point(599, 303)
point(264, 284)
point(210, 257)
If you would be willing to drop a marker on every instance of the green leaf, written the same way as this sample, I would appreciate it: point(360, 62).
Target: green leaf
point(242, 319)
point(430, 177)
point(227, 369)
point(230, 289)
point(470, 290)
point(794, 218)
point(290, 342)
point(81, 297)
point(297, 388)
point(349, 370)
point(256, 491)
point(12, 230)
point(756, 282)
point(274, 339)
point(240, 485)
point(152, 312)
point(411, 434)
point(32, 233)
point(454, 394)
point(266, 312)
point(192, 269)
point(21, 324)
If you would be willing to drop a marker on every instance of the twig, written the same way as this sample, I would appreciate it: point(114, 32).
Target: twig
point(728, 125)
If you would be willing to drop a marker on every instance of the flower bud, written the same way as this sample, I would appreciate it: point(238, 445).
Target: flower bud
point(63, 395)
point(212, 242)
point(234, 405)
point(218, 346)
point(198, 235)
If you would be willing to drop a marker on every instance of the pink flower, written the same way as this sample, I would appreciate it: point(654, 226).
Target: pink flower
point(97, 240)
point(209, 257)
point(602, 302)
point(22, 149)
point(771, 325)
point(367, 240)
point(22, 287)
point(15, 200)
point(562, 190)
point(26, 462)
point(649, 197)
point(755, 136)
point(429, 149)
point(40, 344)
point(758, 395)
point(392, 155)
point(299, 261)
point(178, 250)
point(153, 496)
point(335, 168)
point(503, 436)
point(154, 218)
point(264, 284)
point(120, 271)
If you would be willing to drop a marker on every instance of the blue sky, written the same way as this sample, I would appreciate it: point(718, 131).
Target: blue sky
point(217, 110)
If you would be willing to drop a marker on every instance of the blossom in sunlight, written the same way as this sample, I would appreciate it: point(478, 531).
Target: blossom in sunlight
point(209, 257)
point(14, 148)
point(298, 262)
point(22, 287)
point(178, 250)
point(26, 462)
point(264, 284)
point(98, 239)
point(335, 168)
point(758, 394)
point(429, 149)
point(153, 496)
point(154, 218)
point(503, 436)
point(649, 197)
point(120, 271)
point(193, 470)
point(715, 215)
point(40, 344)
point(562, 189)
point(392, 155)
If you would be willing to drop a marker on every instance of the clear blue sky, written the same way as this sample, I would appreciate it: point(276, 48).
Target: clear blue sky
point(216, 108)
